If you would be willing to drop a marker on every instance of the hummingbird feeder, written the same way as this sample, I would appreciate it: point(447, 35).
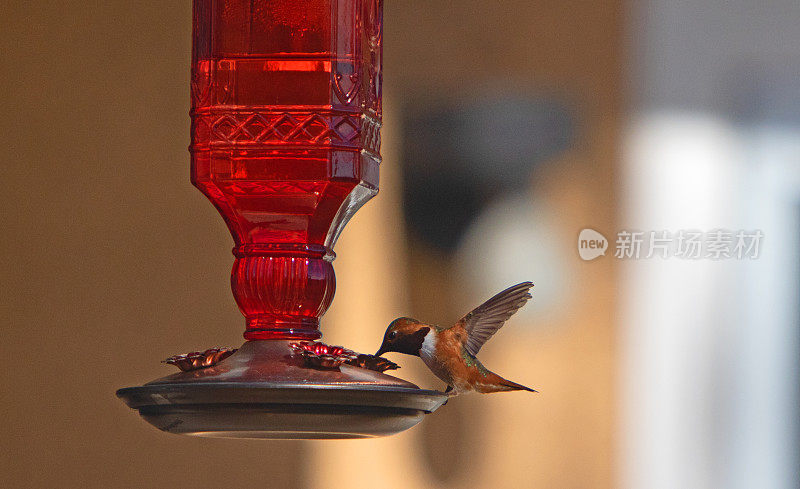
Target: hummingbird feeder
point(286, 117)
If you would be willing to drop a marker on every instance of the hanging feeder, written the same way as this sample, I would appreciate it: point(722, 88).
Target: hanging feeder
point(286, 115)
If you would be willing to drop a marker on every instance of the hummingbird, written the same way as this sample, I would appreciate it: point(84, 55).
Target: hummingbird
point(450, 353)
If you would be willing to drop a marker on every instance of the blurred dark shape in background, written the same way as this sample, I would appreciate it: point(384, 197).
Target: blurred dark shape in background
point(457, 158)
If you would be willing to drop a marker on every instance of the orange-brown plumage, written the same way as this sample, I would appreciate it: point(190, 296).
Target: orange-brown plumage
point(451, 352)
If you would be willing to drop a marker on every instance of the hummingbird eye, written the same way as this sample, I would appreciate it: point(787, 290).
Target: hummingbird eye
point(392, 335)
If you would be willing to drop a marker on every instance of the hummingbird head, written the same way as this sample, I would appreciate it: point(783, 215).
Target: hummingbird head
point(404, 335)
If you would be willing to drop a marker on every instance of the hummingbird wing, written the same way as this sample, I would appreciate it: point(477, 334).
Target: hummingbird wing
point(486, 319)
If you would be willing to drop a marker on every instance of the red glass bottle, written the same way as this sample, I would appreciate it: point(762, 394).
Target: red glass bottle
point(286, 111)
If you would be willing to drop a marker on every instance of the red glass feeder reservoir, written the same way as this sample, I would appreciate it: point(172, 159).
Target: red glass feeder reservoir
point(286, 115)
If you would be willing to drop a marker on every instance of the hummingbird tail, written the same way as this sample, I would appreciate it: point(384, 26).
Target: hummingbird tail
point(513, 386)
point(499, 384)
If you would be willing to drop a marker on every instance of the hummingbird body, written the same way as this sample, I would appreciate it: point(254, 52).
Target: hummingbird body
point(450, 353)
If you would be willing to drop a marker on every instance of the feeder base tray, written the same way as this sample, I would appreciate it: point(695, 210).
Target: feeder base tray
point(264, 411)
point(264, 391)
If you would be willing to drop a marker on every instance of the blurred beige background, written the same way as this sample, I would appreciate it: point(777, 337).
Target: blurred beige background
point(111, 261)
